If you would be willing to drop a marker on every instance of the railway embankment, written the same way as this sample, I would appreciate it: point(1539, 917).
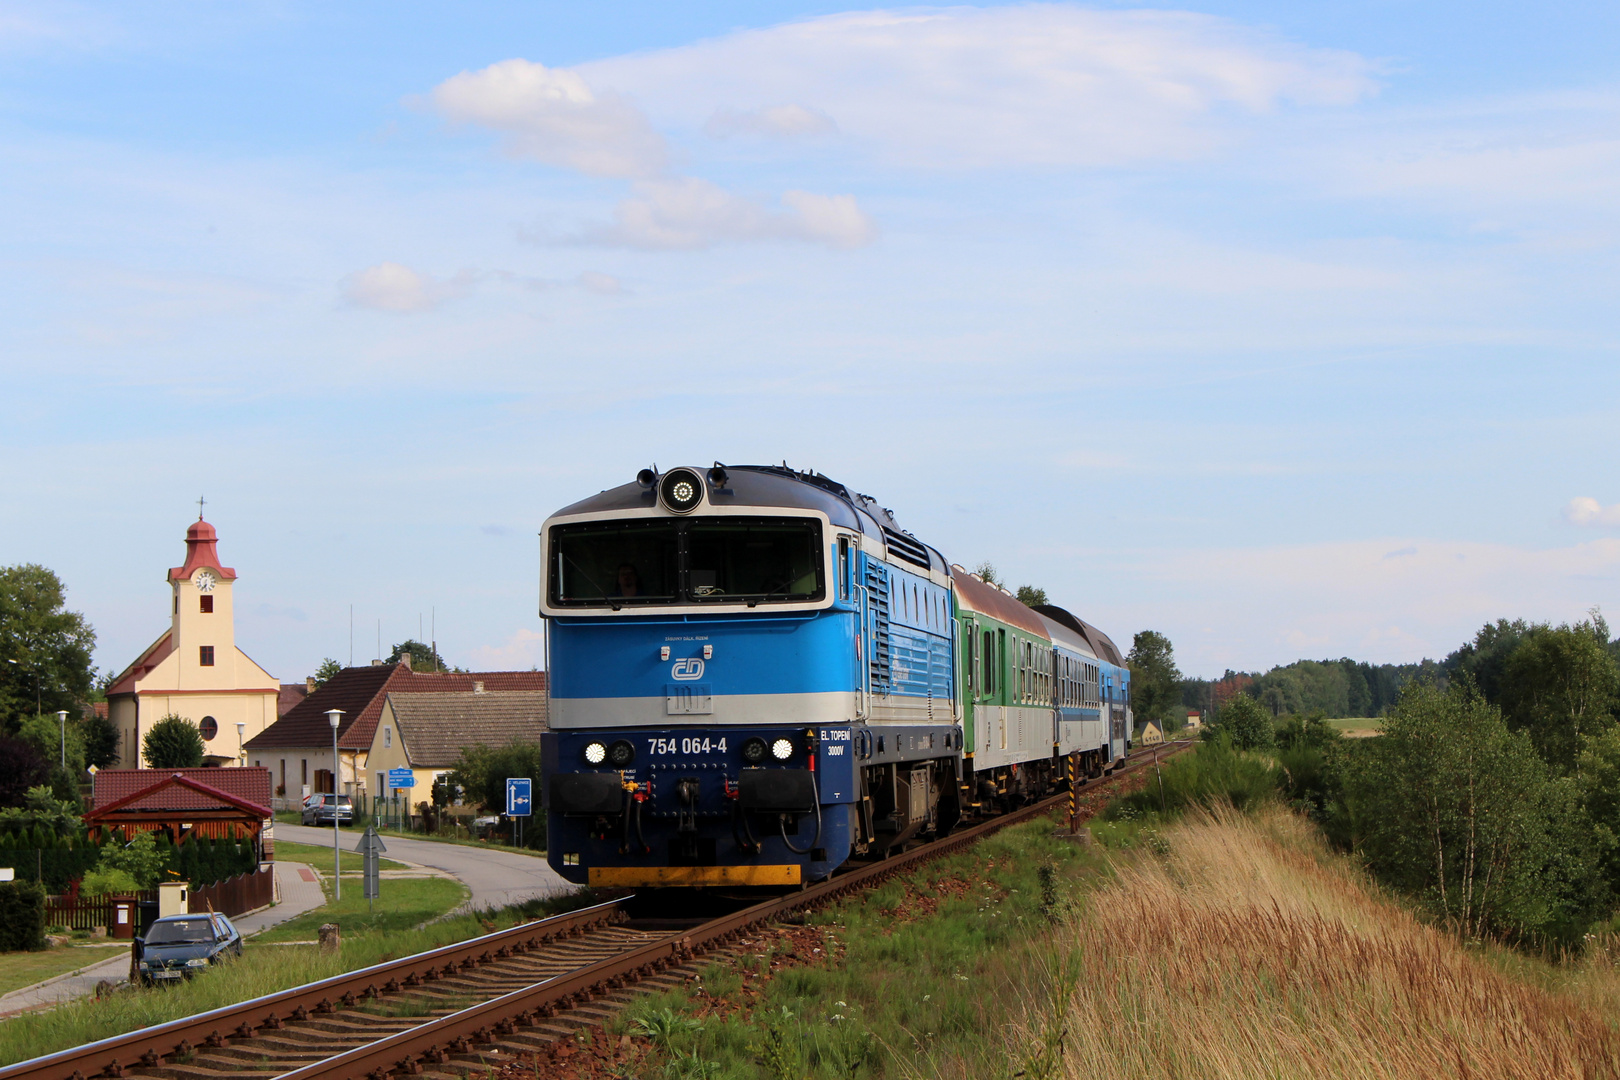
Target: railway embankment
point(1189, 938)
point(911, 978)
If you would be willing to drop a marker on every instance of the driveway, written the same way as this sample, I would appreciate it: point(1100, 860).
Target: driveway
point(496, 878)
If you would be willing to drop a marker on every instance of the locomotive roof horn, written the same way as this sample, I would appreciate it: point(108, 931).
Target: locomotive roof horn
point(648, 477)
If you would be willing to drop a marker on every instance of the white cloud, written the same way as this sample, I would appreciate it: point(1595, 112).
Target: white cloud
point(524, 650)
point(689, 213)
point(551, 116)
point(1045, 84)
point(1584, 510)
point(390, 286)
point(782, 121)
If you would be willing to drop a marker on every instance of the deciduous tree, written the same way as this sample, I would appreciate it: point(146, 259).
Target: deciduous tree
point(1155, 680)
point(21, 767)
point(1460, 812)
point(44, 649)
point(173, 743)
point(1246, 722)
point(1560, 686)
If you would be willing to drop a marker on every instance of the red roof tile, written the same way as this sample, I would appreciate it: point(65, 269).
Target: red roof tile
point(359, 692)
point(153, 656)
point(250, 784)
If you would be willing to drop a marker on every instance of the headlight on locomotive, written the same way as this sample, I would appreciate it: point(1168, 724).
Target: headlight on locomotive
point(782, 749)
point(753, 751)
point(595, 753)
point(621, 753)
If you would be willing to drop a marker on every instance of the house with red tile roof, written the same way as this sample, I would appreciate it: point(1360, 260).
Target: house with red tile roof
point(297, 749)
point(194, 668)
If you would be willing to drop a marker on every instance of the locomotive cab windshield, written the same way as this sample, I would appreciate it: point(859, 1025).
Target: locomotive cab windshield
point(697, 560)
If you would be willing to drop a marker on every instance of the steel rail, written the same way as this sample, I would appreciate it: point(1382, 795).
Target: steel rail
point(434, 1043)
point(150, 1046)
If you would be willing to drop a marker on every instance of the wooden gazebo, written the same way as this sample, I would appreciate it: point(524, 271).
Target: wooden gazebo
point(213, 803)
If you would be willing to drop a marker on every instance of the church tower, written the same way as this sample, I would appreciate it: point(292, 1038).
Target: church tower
point(194, 669)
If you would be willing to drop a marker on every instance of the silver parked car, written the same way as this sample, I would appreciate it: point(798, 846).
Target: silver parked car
point(318, 809)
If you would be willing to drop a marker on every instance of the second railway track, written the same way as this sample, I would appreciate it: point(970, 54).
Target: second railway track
point(463, 1007)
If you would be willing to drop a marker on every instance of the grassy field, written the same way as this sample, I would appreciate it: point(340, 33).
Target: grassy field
point(1239, 946)
point(1358, 726)
point(20, 969)
point(321, 857)
point(404, 903)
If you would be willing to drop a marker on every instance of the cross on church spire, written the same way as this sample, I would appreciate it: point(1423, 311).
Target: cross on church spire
point(200, 501)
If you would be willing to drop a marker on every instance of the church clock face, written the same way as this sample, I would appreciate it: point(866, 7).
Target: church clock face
point(204, 581)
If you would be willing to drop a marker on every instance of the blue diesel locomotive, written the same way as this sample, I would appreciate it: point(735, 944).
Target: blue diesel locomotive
point(757, 675)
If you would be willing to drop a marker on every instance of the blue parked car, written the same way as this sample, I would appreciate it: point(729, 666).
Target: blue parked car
point(179, 946)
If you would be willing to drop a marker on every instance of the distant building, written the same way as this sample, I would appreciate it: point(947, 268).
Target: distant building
point(425, 732)
point(194, 669)
point(1195, 718)
point(297, 748)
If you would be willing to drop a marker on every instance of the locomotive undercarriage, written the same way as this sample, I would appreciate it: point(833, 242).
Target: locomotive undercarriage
point(904, 801)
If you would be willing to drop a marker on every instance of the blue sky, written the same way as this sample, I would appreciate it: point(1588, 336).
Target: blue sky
point(1285, 329)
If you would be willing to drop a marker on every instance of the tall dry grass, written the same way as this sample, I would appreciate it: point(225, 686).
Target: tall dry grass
point(1247, 950)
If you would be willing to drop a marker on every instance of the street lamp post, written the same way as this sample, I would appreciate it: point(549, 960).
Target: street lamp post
point(332, 717)
point(241, 750)
point(61, 715)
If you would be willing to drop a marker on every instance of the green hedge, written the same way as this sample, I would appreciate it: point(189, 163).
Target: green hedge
point(22, 916)
point(58, 862)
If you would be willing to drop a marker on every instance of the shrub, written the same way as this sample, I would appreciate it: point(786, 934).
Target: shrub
point(1215, 772)
point(139, 858)
point(22, 915)
point(1246, 722)
point(107, 881)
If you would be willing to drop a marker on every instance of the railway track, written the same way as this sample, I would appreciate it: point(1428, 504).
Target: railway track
point(473, 1005)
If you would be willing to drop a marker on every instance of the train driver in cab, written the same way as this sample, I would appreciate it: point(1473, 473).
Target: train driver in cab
point(629, 581)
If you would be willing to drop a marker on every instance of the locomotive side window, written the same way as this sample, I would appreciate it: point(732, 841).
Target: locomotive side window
point(843, 568)
point(754, 559)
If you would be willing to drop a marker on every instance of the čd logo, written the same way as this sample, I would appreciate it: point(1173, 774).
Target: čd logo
point(687, 670)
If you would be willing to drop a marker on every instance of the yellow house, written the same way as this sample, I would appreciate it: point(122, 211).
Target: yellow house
point(194, 669)
point(425, 732)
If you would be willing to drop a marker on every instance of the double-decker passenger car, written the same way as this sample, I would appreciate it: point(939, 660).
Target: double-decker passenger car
point(757, 675)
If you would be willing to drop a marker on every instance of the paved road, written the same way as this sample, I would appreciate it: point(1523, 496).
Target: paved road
point(496, 878)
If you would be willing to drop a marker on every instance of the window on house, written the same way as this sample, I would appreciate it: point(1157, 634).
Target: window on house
point(388, 736)
point(205, 655)
point(208, 728)
point(205, 603)
point(303, 770)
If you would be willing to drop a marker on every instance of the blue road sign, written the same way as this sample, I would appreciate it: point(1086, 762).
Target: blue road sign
point(398, 778)
point(518, 796)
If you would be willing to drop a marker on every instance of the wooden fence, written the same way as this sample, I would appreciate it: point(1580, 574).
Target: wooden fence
point(87, 912)
point(233, 896)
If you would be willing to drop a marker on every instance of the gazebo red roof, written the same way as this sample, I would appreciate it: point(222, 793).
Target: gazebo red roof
point(161, 791)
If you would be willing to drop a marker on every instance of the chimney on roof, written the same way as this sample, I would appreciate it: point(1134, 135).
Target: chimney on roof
point(376, 663)
point(309, 685)
point(478, 686)
point(405, 660)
